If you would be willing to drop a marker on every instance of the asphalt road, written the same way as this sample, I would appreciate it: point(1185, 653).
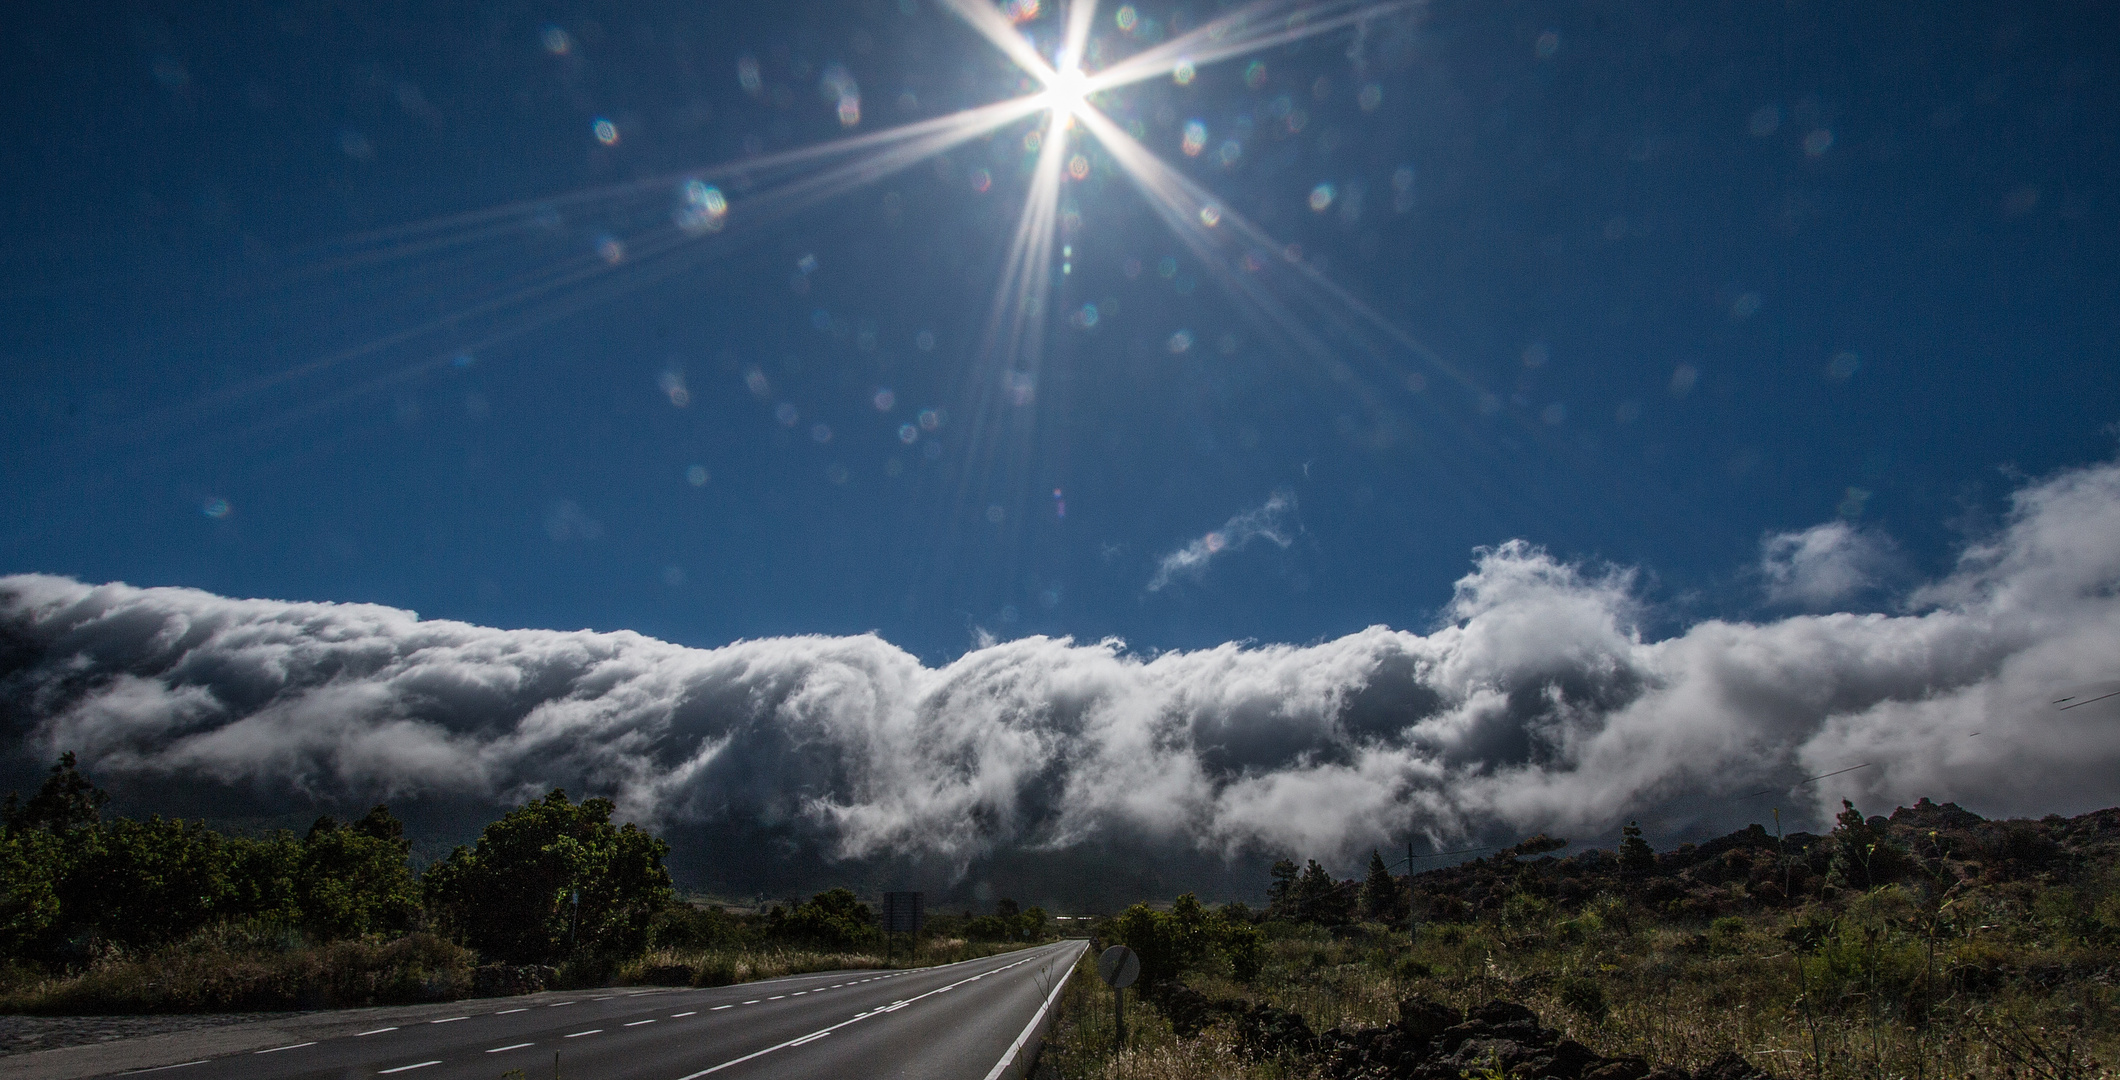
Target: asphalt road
point(975, 1020)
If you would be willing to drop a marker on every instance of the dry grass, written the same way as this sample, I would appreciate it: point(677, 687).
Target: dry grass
point(737, 964)
point(2007, 995)
point(223, 970)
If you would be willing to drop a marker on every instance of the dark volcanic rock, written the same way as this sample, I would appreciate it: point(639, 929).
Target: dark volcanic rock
point(1264, 1031)
point(1619, 1068)
point(1731, 1066)
point(1433, 1041)
point(1425, 1019)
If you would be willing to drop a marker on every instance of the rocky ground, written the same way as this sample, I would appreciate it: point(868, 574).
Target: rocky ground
point(1432, 1041)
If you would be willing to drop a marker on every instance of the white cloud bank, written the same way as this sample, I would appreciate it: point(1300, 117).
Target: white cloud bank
point(1536, 705)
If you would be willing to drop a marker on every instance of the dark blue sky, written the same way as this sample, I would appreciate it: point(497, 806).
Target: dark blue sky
point(1708, 272)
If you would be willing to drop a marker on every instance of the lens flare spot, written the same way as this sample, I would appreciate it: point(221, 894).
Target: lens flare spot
point(1370, 97)
point(982, 180)
point(611, 250)
point(1817, 143)
point(1087, 317)
point(697, 476)
point(1183, 73)
point(1078, 167)
point(1229, 152)
point(701, 208)
point(821, 432)
point(850, 110)
point(557, 41)
point(907, 433)
point(1179, 342)
point(930, 419)
point(1033, 141)
point(673, 387)
point(606, 131)
point(1127, 18)
point(1255, 74)
point(1215, 541)
point(748, 76)
point(1547, 45)
point(1021, 11)
point(215, 508)
point(1321, 197)
point(884, 400)
point(1210, 215)
point(786, 414)
point(1195, 138)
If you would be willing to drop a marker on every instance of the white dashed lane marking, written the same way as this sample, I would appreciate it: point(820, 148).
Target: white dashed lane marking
point(409, 1068)
point(517, 1046)
point(377, 1031)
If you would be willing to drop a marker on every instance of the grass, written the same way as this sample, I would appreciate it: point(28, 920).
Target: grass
point(239, 969)
point(243, 967)
point(722, 966)
point(2000, 983)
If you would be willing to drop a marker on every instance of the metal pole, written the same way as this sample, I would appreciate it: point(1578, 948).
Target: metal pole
point(1412, 928)
point(1119, 1018)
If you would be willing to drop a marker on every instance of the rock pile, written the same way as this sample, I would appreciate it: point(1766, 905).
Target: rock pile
point(1433, 1041)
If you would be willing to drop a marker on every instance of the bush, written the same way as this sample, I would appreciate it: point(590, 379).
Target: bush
point(514, 896)
point(1582, 996)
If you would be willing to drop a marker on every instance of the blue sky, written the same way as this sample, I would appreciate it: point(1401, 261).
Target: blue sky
point(1606, 213)
point(1653, 287)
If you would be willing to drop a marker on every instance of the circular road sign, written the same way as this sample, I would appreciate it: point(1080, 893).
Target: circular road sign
point(1118, 967)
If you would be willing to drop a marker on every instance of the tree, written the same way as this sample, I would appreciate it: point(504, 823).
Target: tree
point(67, 801)
point(1381, 899)
point(1636, 858)
point(511, 897)
point(1186, 935)
point(832, 919)
point(1317, 897)
point(144, 883)
point(352, 879)
point(1280, 889)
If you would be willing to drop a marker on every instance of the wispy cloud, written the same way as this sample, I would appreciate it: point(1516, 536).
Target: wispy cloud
point(1823, 565)
point(1536, 704)
point(1269, 521)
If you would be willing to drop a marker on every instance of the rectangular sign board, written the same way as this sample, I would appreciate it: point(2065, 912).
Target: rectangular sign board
point(903, 912)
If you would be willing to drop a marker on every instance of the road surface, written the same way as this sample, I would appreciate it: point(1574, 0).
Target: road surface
point(976, 1020)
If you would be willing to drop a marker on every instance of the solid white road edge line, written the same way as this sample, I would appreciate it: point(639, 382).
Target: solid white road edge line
point(1032, 1028)
point(289, 1046)
point(822, 1032)
point(377, 1031)
point(159, 1068)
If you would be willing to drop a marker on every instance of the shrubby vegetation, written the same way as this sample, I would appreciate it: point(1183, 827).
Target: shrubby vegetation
point(1930, 943)
point(161, 914)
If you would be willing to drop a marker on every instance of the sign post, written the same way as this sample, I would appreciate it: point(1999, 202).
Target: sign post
point(1118, 966)
point(903, 913)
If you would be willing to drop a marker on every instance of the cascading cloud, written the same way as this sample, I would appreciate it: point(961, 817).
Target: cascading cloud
point(1534, 704)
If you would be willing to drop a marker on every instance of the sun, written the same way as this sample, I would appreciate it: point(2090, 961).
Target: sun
point(1066, 90)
